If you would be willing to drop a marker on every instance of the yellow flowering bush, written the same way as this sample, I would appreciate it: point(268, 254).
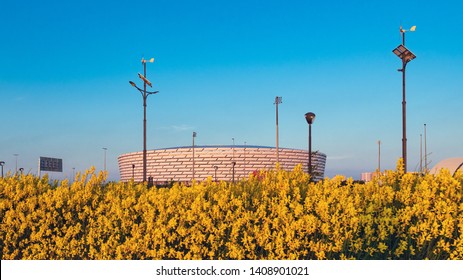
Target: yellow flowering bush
point(273, 214)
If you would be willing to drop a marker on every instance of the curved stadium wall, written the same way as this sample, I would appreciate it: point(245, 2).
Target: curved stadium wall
point(176, 164)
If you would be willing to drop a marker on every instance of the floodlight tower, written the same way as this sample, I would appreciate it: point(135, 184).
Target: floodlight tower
point(144, 94)
point(406, 56)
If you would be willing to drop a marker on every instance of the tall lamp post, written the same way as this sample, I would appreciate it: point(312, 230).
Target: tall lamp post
point(406, 56)
point(278, 100)
point(310, 117)
point(144, 94)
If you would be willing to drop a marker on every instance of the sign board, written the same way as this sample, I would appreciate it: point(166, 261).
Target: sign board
point(51, 164)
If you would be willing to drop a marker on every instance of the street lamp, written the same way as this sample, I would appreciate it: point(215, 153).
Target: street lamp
point(310, 117)
point(194, 136)
point(2, 163)
point(144, 94)
point(406, 56)
point(278, 100)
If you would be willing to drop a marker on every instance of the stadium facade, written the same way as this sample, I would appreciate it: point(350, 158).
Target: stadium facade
point(223, 163)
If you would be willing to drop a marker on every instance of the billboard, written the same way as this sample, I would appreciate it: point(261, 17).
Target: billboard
point(51, 164)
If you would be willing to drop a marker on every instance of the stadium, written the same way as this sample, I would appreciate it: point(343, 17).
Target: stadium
point(221, 163)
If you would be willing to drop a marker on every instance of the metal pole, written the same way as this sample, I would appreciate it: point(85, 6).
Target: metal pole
point(105, 158)
point(421, 153)
point(233, 172)
point(425, 151)
point(277, 147)
point(194, 135)
point(244, 162)
point(144, 123)
point(310, 151)
point(379, 156)
point(404, 118)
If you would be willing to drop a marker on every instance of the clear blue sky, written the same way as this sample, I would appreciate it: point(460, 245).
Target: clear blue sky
point(65, 67)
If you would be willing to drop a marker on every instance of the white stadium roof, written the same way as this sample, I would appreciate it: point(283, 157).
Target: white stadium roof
point(452, 164)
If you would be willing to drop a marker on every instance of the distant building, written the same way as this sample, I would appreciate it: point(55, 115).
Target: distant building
point(176, 164)
point(367, 176)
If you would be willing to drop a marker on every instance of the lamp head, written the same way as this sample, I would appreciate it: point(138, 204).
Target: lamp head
point(310, 117)
point(133, 84)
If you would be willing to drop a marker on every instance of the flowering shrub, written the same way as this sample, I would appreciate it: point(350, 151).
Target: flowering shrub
point(271, 215)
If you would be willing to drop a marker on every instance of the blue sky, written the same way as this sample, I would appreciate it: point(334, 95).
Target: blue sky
point(65, 67)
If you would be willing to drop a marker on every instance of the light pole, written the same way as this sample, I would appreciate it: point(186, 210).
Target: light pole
point(2, 163)
point(244, 161)
point(406, 56)
point(425, 152)
point(144, 94)
point(310, 117)
point(105, 149)
point(278, 100)
point(233, 161)
point(233, 171)
point(194, 136)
